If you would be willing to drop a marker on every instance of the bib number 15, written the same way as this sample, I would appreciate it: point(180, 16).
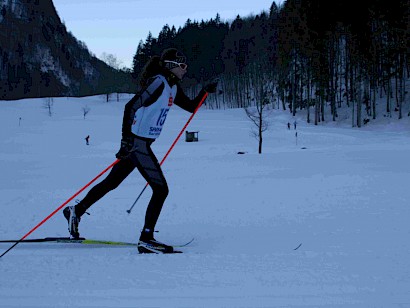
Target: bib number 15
point(162, 117)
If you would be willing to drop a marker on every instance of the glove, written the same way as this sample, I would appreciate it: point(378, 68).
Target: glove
point(211, 87)
point(127, 147)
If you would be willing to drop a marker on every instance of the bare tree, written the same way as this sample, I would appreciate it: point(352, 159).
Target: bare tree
point(256, 115)
point(85, 110)
point(48, 105)
point(111, 60)
point(260, 89)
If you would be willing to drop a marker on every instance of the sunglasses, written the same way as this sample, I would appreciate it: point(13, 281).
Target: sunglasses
point(183, 66)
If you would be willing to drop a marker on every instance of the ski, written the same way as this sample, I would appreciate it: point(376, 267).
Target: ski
point(82, 240)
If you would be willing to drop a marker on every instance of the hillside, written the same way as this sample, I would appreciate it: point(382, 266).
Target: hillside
point(39, 57)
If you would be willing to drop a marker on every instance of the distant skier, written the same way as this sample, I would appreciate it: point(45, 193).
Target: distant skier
point(144, 117)
point(294, 124)
point(288, 125)
point(87, 140)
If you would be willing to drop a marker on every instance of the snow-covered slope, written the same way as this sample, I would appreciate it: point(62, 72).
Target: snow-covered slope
point(339, 192)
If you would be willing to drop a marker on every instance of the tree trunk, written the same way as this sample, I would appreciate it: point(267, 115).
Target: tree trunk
point(388, 101)
point(260, 132)
point(374, 101)
point(359, 97)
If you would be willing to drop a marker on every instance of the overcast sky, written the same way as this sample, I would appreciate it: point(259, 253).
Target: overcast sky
point(116, 27)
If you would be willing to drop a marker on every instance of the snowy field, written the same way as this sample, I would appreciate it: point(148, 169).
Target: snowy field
point(340, 194)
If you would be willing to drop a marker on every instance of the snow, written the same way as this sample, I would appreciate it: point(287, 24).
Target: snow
point(339, 192)
point(49, 64)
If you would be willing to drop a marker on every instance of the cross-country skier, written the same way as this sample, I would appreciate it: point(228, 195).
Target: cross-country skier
point(144, 117)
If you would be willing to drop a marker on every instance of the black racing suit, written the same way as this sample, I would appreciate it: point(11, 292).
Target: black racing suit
point(142, 156)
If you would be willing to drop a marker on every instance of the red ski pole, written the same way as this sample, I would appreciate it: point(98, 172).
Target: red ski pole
point(60, 207)
point(172, 146)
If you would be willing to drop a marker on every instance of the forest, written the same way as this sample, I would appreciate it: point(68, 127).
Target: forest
point(299, 55)
point(311, 55)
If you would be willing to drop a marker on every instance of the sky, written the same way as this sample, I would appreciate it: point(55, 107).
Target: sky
point(117, 29)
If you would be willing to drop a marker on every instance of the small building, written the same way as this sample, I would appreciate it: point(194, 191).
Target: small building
point(191, 136)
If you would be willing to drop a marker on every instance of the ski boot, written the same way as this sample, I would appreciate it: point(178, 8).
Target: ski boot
point(73, 221)
point(147, 244)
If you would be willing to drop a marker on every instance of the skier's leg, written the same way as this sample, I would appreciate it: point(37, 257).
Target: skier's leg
point(147, 164)
point(118, 173)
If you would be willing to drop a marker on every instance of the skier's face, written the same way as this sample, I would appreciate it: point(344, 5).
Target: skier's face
point(180, 70)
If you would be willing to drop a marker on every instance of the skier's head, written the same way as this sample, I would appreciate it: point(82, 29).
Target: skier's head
point(171, 60)
point(175, 61)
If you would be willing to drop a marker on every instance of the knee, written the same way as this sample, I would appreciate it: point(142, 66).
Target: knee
point(161, 190)
point(165, 190)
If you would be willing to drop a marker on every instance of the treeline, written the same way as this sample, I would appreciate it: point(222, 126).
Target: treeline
point(309, 54)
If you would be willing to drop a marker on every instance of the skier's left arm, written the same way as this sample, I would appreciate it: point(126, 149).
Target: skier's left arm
point(188, 104)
